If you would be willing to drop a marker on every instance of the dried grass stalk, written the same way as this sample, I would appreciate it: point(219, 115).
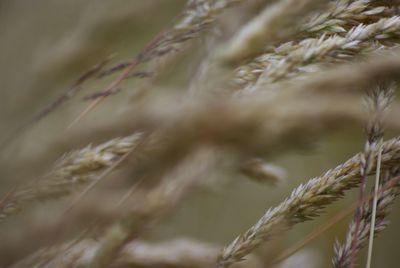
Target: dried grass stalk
point(196, 17)
point(332, 27)
point(377, 68)
point(305, 202)
point(273, 24)
point(342, 13)
point(240, 119)
point(357, 40)
point(386, 198)
point(378, 101)
point(69, 174)
point(264, 118)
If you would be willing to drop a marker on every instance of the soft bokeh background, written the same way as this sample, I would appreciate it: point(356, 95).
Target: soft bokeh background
point(46, 44)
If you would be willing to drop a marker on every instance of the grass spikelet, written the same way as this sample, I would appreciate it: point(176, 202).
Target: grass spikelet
point(338, 26)
point(69, 174)
point(377, 102)
point(343, 252)
point(271, 25)
point(357, 40)
point(305, 202)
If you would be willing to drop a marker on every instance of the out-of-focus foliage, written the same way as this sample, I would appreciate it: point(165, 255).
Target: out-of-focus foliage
point(196, 140)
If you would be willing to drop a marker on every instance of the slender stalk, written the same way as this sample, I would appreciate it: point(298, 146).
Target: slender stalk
point(386, 196)
point(375, 204)
point(378, 101)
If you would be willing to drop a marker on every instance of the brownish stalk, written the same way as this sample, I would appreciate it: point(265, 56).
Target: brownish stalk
point(68, 94)
point(163, 43)
point(113, 85)
point(386, 195)
point(360, 205)
point(377, 100)
point(316, 233)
